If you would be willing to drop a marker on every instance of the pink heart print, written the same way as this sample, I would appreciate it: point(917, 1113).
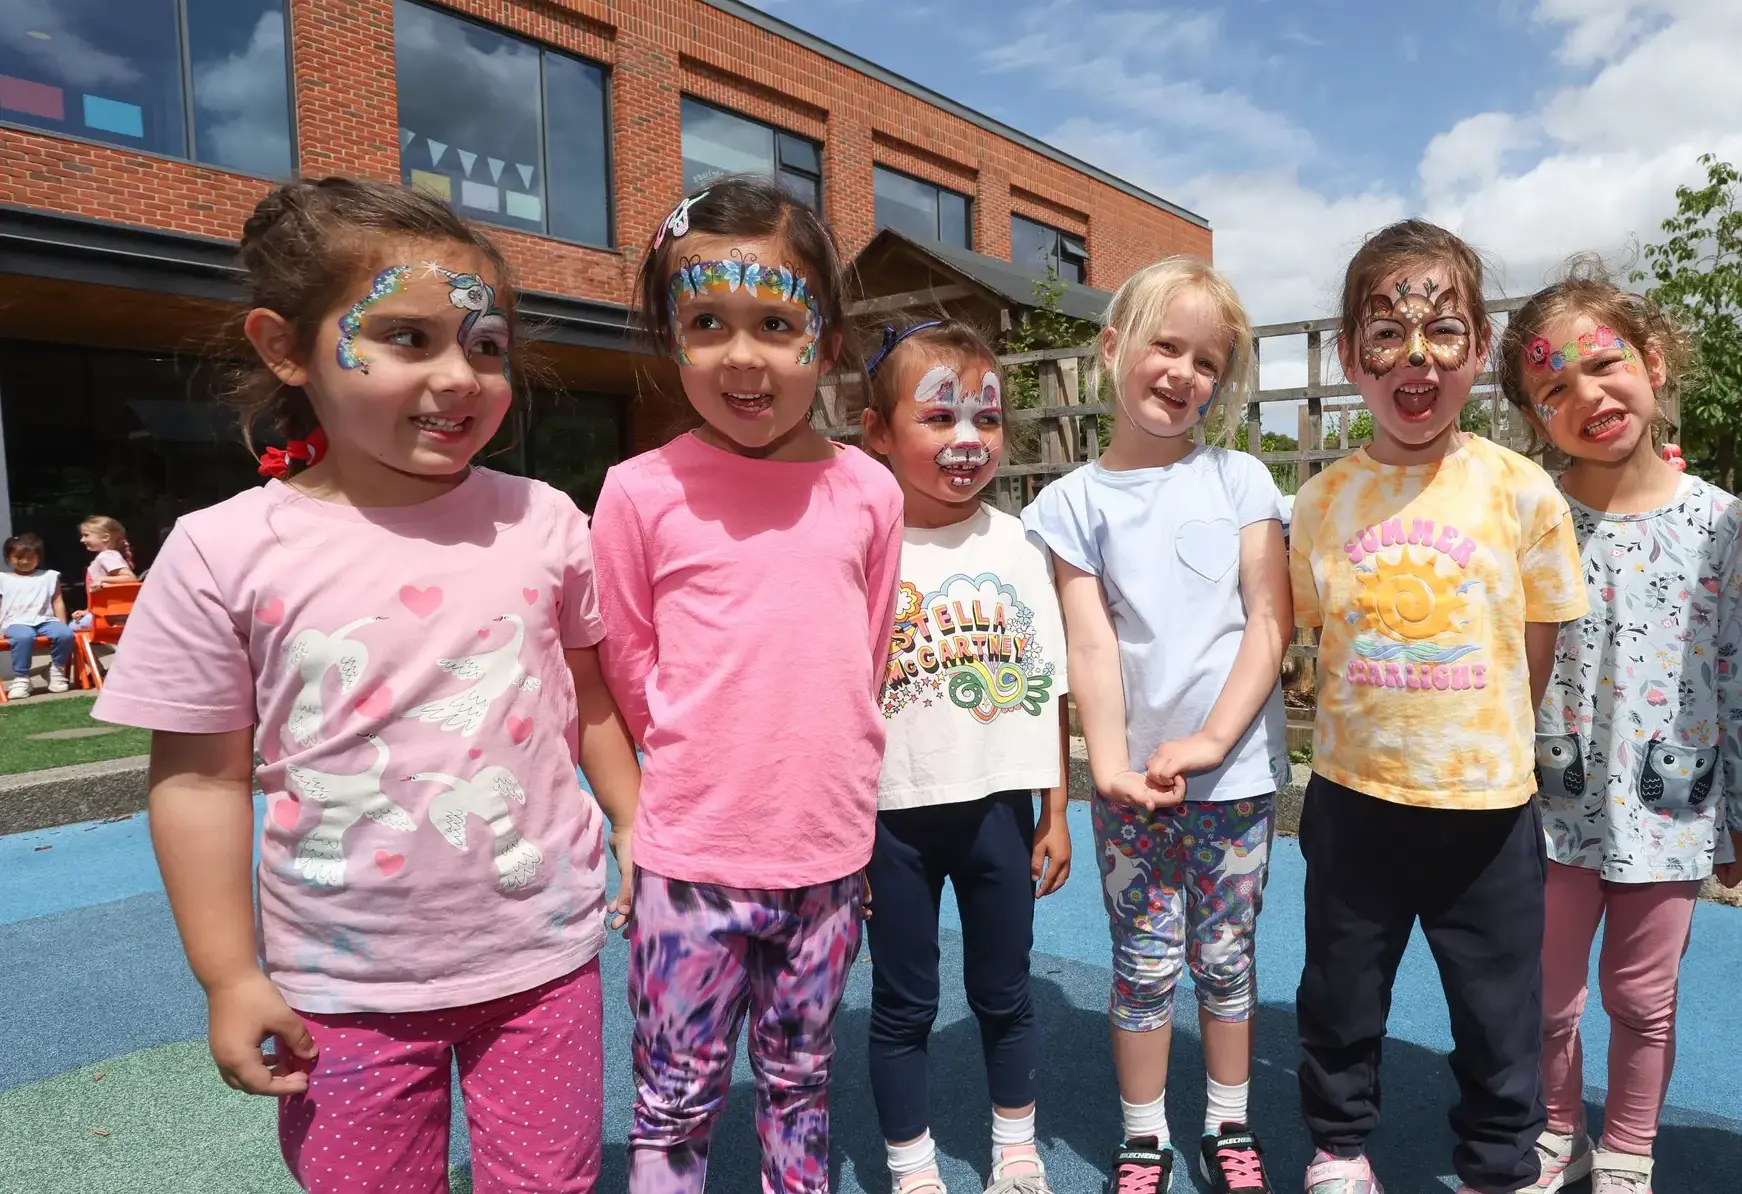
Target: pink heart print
point(422, 602)
point(270, 612)
point(377, 703)
point(519, 729)
point(389, 864)
point(474, 753)
point(286, 812)
point(531, 596)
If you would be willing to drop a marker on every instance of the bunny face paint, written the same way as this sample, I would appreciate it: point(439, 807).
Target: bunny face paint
point(970, 411)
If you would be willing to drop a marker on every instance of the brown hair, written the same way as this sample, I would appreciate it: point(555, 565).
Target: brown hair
point(751, 207)
point(880, 394)
point(1399, 246)
point(307, 246)
point(1585, 289)
point(24, 541)
point(116, 533)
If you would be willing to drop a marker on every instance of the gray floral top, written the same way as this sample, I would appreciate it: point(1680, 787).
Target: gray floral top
point(1637, 739)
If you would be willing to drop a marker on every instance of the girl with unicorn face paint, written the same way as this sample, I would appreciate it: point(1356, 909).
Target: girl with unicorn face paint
point(972, 695)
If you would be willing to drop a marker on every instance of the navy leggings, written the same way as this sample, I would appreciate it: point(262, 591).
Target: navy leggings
point(983, 847)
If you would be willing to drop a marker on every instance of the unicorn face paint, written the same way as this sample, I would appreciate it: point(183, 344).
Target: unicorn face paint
point(389, 281)
point(484, 327)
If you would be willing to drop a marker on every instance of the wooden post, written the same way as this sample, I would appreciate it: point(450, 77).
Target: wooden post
point(1254, 425)
point(1312, 434)
point(1053, 449)
point(1072, 427)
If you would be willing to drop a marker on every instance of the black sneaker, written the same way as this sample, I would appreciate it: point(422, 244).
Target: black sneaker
point(1233, 1161)
point(1142, 1165)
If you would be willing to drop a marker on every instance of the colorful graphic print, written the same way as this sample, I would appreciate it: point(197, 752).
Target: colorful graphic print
point(1416, 606)
point(972, 640)
point(774, 282)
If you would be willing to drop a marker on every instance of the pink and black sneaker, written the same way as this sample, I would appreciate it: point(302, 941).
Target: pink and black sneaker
point(1141, 1166)
point(1233, 1161)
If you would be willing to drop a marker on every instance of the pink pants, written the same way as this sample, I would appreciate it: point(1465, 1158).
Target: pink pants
point(1643, 941)
point(376, 1114)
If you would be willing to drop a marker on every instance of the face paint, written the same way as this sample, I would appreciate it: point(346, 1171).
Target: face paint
point(389, 281)
point(965, 454)
point(1211, 400)
point(775, 283)
point(1541, 357)
point(1415, 313)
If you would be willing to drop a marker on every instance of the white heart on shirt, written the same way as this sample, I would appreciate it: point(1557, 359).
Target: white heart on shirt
point(1208, 547)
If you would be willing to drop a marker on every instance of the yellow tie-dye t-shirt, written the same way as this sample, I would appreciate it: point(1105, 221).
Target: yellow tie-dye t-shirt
point(1421, 578)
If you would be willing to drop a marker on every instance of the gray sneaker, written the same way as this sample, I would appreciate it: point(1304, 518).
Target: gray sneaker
point(1620, 1173)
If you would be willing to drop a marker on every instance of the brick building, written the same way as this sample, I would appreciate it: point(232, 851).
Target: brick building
point(136, 136)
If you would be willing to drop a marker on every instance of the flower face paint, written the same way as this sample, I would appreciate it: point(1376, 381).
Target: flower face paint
point(972, 409)
point(485, 322)
point(1416, 328)
point(1540, 357)
point(772, 283)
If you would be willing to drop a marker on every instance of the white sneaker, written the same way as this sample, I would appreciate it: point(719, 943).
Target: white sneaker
point(1563, 1160)
point(1620, 1173)
point(57, 679)
point(18, 689)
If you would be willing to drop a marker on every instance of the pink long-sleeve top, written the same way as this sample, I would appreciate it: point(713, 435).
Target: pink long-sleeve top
point(747, 607)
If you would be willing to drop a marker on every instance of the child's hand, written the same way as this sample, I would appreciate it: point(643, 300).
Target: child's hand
point(864, 895)
point(1135, 790)
point(1173, 760)
point(621, 906)
point(1051, 864)
point(1730, 873)
point(242, 1016)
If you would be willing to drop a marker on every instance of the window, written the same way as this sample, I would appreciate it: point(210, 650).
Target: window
point(202, 79)
point(717, 142)
point(1037, 246)
point(475, 127)
point(921, 210)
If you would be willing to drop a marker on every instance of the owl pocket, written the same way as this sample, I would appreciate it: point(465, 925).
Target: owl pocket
point(1560, 766)
point(1675, 776)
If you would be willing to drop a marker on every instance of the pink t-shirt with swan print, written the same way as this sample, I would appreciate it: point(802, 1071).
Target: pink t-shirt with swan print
point(426, 842)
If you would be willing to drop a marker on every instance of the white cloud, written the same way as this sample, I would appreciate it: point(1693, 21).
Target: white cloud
point(1471, 151)
point(243, 95)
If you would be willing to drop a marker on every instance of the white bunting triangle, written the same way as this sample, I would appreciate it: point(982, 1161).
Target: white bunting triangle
point(406, 137)
point(496, 165)
point(467, 160)
point(436, 149)
point(525, 175)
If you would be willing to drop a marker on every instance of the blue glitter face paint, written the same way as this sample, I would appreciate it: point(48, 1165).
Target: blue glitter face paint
point(776, 283)
point(389, 281)
point(1211, 400)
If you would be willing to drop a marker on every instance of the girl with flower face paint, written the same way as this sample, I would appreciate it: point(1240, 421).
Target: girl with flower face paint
point(974, 705)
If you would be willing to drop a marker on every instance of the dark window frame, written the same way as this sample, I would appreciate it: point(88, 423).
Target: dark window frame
point(184, 63)
point(544, 48)
point(778, 131)
point(967, 202)
point(1061, 240)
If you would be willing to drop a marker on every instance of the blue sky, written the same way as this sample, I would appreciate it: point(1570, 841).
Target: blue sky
point(1535, 128)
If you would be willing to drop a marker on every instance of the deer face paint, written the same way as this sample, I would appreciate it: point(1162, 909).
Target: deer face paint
point(971, 410)
point(1416, 328)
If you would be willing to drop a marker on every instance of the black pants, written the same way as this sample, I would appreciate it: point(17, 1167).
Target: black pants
point(983, 847)
point(1475, 880)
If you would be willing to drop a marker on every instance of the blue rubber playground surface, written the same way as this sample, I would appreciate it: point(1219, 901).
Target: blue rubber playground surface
point(106, 1087)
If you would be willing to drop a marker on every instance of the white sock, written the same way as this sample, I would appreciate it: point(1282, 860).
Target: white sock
point(916, 1157)
point(1009, 1131)
point(1224, 1105)
point(1146, 1119)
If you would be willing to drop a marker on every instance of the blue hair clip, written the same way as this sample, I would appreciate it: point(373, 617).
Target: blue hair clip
point(891, 338)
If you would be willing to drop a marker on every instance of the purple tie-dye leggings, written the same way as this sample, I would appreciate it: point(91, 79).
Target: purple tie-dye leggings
point(700, 956)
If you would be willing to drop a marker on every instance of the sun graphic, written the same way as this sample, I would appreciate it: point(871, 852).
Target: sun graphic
point(907, 602)
point(1408, 600)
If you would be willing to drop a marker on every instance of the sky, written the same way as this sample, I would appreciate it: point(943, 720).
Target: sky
point(1536, 129)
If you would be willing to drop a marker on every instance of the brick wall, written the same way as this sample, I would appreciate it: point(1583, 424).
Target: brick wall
point(656, 50)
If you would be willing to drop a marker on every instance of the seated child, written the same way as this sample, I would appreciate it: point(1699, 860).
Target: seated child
point(31, 607)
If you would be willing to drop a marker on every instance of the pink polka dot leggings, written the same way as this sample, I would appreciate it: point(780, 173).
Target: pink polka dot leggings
point(375, 1117)
point(701, 956)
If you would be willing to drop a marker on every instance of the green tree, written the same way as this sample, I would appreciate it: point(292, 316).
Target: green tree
point(1697, 275)
point(1042, 328)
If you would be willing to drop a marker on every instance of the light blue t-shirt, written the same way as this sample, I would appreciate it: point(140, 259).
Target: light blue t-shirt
point(1165, 543)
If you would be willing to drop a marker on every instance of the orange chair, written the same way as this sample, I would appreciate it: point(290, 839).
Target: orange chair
point(110, 606)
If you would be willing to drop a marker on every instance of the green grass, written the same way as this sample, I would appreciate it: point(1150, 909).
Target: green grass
point(20, 752)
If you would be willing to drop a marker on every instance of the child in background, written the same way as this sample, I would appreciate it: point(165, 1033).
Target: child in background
point(31, 607)
point(1174, 584)
point(974, 703)
point(1636, 742)
point(1439, 567)
point(409, 643)
point(747, 572)
point(111, 563)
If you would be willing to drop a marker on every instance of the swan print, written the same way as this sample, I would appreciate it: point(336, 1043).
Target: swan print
point(312, 655)
point(485, 796)
point(491, 673)
point(344, 800)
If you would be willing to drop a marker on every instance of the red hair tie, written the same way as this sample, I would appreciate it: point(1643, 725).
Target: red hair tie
point(275, 462)
point(1673, 455)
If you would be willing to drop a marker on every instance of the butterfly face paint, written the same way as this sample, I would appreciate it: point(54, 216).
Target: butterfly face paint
point(1416, 328)
point(484, 322)
point(772, 283)
point(966, 453)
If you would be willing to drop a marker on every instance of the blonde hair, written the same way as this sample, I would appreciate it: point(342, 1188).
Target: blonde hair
point(111, 529)
point(1139, 306)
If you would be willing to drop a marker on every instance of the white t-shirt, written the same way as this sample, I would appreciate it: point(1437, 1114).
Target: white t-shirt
point(1165, 544)
point(27, 600)
point(976, 666)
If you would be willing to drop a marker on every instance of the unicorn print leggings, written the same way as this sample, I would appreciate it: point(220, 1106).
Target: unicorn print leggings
point(701, 955)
